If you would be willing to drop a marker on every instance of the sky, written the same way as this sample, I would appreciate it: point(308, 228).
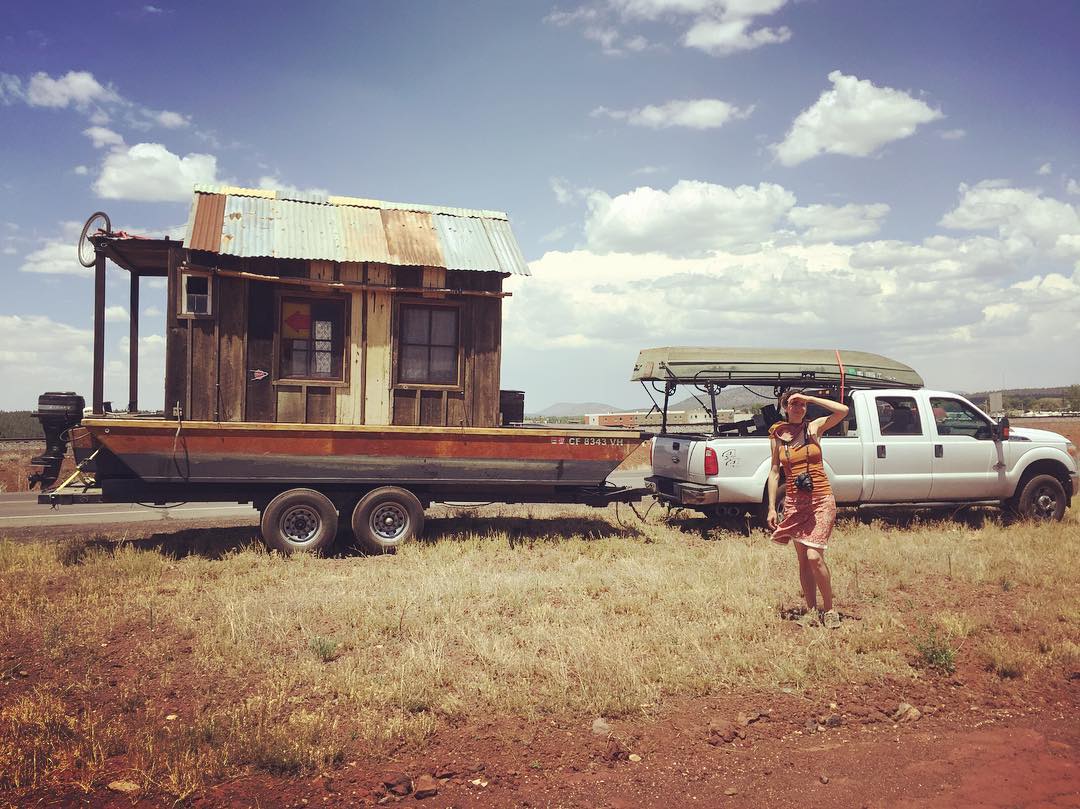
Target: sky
point(900, 178)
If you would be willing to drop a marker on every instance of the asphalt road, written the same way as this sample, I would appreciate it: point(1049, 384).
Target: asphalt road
point(22, 509)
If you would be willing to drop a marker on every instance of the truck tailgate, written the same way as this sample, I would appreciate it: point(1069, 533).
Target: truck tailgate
point(671, 456)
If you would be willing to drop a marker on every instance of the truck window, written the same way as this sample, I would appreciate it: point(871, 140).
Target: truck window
point(954, 417)
point(848, 427)
point(898, 415)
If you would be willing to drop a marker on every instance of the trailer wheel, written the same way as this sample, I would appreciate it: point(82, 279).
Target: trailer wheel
point(1041, 499)
point(387, 518)
point(299, 520)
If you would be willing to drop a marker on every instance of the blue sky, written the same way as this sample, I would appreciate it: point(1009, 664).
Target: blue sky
point(901, 178)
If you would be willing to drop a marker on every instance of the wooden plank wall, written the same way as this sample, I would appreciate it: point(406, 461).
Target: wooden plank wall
point(350, 400)
point(377, 381)
point(210, 361)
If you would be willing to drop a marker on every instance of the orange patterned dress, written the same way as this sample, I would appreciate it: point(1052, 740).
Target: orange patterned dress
point(809, 517)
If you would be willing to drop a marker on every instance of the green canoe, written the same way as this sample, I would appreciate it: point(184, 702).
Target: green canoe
point(772, 366)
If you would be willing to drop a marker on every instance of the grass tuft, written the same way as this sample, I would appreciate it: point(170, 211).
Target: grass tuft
point(935, 651)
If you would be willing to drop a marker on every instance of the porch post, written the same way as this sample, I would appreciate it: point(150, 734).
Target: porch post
point(133, 348)
point(99, 334)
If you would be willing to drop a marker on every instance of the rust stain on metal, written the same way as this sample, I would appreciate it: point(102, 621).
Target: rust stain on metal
point(412, 238)
point(209, 217)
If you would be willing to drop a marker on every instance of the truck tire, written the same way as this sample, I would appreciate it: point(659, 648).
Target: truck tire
point(1041, 498)
point(386, 518)
point(299, 520)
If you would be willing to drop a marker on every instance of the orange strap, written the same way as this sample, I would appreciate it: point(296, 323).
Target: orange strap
point(841, 364)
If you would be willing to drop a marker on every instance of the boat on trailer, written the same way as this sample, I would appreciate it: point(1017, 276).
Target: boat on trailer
point(327, 359)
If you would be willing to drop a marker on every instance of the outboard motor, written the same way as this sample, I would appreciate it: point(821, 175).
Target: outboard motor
point(58, 414)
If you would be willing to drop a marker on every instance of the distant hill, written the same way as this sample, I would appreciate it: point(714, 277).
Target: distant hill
point(569, 409)
point(730, 398)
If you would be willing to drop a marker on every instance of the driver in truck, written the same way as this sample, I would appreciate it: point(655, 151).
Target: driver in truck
point(809, 506)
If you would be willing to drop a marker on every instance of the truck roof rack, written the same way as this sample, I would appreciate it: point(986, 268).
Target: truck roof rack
point(777, 367)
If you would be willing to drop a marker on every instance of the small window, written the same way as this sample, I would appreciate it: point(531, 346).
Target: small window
point(954, 417)
point(195, 295)
point(428, 345)
point(312, 339)
point(898, 415)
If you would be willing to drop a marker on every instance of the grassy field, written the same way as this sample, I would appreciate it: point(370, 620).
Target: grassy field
point(186, 665)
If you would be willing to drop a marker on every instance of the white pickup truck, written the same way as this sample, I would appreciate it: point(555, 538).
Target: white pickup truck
point(900, 445)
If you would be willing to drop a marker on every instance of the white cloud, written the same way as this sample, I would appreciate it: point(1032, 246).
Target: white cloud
point(1072, 187)
point(101, 137)
point(152, 311)
point(1044, 169)
point(826, 223)
point(854, 118)
point(564, 192)
point(1019, 215)
point(116, 314)
point(78, 88)
point(718, 27)
point(60, 357)
point(82, 171)
point(149, 172)
point(278, 184)
point(171, 120)
point(9, 251)
point(952, 134)
point(693, 218)
point(57, 256)
point(11, 89)
point(699, 113)
point(725, 37)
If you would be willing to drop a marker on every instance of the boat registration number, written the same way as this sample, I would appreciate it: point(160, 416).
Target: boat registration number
point(561, 439)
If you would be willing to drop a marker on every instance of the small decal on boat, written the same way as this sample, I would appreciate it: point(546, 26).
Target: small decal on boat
point(588, 442)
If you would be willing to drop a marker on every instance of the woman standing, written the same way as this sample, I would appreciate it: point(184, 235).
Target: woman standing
point(809, 506)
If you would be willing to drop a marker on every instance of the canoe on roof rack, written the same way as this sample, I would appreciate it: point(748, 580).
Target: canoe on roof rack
point(781, 367)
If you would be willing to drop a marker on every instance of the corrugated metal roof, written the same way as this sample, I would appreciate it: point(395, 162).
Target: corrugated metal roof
point(250, 222)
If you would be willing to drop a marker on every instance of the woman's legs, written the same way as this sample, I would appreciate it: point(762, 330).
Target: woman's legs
point(814, 575)
point(806, 576)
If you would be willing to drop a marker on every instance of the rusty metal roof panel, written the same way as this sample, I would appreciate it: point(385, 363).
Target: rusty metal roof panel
point(465, 243)
point(506, 247)
point(363, 234)
point(412, 239)
point(256, 222)
point(205, 231)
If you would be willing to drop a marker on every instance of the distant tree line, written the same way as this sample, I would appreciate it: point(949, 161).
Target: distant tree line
point(19, 424)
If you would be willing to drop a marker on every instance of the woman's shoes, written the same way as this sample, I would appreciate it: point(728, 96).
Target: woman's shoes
point(812, 618)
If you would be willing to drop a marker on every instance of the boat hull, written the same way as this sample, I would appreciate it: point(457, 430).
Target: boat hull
point(165, 452)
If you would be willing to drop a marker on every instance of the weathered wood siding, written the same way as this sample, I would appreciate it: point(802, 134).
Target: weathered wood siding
point(211, 362)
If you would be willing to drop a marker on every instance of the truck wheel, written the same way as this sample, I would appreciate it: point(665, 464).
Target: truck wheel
point(1042, 499)
point(386, 518)
point(299, 520)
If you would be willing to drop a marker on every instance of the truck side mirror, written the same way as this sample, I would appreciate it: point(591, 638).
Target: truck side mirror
point(1001, 429)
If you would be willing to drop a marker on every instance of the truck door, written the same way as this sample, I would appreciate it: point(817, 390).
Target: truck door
point(899, 450)
point(965, 457)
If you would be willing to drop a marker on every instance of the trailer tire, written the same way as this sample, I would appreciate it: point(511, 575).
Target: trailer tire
point(386, 518)
point(299, 520)
point(1040, 498)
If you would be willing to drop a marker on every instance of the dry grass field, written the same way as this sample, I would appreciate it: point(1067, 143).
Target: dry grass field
point(178, 662)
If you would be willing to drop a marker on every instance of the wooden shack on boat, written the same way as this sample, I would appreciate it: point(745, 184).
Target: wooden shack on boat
point(301, 308)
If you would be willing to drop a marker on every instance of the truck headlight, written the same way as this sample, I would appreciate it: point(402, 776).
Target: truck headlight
point(1070, 448)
